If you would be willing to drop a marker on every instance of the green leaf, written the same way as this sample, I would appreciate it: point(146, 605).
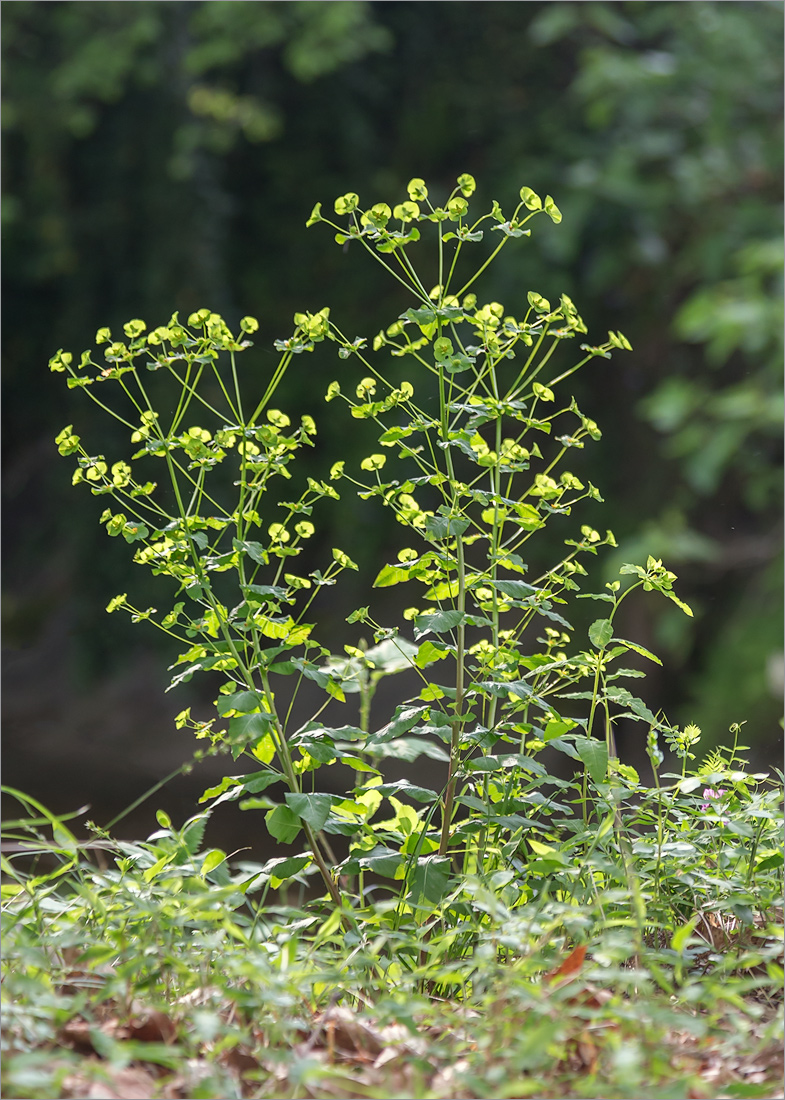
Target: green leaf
point(346, 203)
point(229, 786)
point(392, 655)
point(552, 210)
point(404, 787)
point(417, 190)
point(242, 702)
point(282, 868)
point(264, 750)
point(467, 184)
point(594, 754)
point(273, 590)
point(213, 859)
point(412, 748)
point(283, 824)
point(530, 198)
point(679, 603)
point(516, 589)
point(442, 527)
point(193, 831)
point(638, 649)
point(343, 559)
point(601, 632)
point(682, 934)
point(390, 575)
point(442, 348)
point(431, 878)
point(383, 861)
point(313, 809)
point(254, 550)
point(256, 782)
point(428, 653)
point(247, 727)
point(437, 622)
point(405, 718)
point(425, 316)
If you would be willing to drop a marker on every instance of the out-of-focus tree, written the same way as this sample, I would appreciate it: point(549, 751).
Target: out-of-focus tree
point(687, 101)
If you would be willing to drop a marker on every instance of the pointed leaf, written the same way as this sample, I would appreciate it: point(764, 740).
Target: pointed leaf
point(594, 755)
point(601, 632)
point(431, 878)
point(283, 824)
point(314, 809)
point(404, 787)
point(437, 622)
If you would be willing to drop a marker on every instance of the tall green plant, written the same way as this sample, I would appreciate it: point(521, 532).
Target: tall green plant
point(481, 453)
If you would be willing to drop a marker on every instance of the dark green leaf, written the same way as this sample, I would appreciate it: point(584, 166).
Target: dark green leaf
point(442, 527)
point(430, 878)
point(283, 824)
point(247, 727)
point(404, 787)
point(594, 755)
point(314, 809)
point(244, 702)
point(437, 622)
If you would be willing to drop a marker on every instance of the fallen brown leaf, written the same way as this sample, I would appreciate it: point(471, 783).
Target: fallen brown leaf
point(239, 1060)
point(570, 966)
point(148, 1026)
point(76, 1034)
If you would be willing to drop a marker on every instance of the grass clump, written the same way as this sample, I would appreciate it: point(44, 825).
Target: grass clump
point(646, 961)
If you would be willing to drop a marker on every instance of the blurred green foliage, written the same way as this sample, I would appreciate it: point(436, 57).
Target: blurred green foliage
point(160, 156)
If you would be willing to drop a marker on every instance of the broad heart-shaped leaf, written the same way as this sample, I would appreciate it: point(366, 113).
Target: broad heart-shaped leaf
point(392, 655)
point(437, 622)
point(430, 878)
point(457, 363)
point(314, 809)
point(384, 861)
point(391, 574)
point(242, 702)
point(442, 527)
point(601, 632)
point(404, 787)
point(283, 824)
point(430, 652)
point(246, 727)
point(594, 755)
point(419, 316)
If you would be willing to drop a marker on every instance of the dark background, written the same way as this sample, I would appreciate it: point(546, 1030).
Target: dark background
point(162, 156)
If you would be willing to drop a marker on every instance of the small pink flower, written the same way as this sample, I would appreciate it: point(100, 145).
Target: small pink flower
point(709, 792)
point(715, 796)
